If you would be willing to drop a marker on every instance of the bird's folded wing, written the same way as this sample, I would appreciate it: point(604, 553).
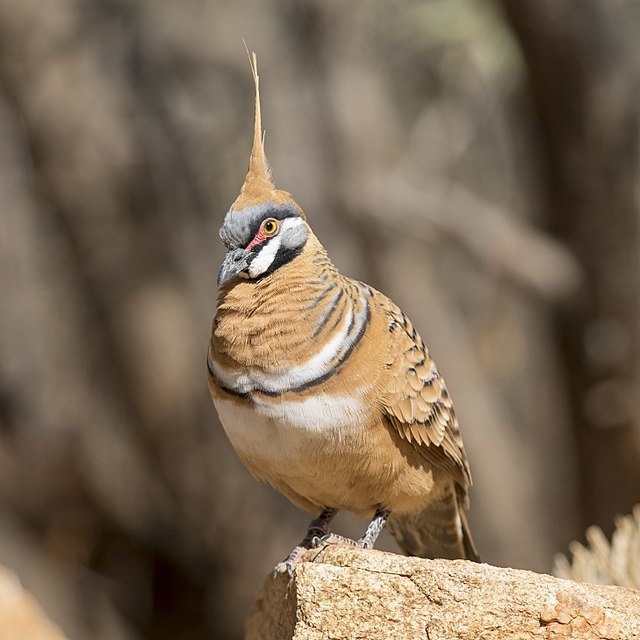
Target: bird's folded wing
point(417, 402)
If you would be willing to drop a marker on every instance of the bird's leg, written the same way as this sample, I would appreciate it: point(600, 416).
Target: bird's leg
point(374, 529)
point(317, 528)
point(369, 538)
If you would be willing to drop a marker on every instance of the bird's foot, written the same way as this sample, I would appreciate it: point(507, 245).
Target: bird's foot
point(336, 538)
point(317, 527)
point(287, 565)
point(368, 539)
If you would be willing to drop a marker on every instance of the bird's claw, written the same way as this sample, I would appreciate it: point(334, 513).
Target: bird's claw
point(286, 566)
point(335, 538)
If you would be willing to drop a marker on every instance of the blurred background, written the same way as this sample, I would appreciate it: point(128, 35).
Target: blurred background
point(475, 160)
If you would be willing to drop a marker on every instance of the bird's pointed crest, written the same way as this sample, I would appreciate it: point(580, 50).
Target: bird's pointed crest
point(258, 186)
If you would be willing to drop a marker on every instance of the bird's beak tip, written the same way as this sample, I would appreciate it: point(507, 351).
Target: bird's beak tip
point(233, 264)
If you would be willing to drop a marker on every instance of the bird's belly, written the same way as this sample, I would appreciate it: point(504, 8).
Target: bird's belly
point(308, 449)
point(324, 451)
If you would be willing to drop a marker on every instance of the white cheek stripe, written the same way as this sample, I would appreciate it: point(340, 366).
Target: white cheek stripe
point(265, 257)
point(277, 380)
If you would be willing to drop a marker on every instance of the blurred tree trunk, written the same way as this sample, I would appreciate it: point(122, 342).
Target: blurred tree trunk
point(585, 94)
point(111, 452)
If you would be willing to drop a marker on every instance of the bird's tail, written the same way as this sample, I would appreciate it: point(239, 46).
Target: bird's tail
point(440, 530)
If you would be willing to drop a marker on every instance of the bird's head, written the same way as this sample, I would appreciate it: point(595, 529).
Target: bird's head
point(264, 228)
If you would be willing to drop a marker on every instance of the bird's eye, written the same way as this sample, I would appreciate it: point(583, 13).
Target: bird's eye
point(270, 227)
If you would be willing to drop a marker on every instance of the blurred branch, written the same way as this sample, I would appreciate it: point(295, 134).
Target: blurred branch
point(496, 239)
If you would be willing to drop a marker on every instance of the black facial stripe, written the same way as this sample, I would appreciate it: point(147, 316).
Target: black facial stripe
point(284, 255)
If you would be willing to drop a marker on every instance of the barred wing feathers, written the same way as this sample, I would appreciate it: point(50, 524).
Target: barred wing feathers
point(417, 402)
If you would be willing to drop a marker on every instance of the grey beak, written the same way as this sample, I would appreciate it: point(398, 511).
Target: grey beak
point(234, 263)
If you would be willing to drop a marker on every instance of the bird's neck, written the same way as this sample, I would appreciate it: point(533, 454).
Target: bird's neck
point(291, 288)
point(283, 317)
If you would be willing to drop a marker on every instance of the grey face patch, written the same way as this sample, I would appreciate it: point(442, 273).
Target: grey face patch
point(293, 234)
point(239, 227)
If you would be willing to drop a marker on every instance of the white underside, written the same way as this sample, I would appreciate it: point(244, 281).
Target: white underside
point(278, 438)
point(316, 413)
point(249, 429)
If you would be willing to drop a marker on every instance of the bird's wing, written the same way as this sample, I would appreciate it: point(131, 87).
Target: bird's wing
point(417, 402)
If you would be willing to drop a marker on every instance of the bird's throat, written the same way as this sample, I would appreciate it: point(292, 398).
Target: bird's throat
point(281, 319)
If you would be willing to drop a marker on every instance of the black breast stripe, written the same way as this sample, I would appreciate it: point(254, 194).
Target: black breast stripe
point(323, 294)
point(329, 374)
point(328, 313)
point(354, 341)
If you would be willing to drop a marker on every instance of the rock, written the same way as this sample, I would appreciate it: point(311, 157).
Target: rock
point(21, 618)
point(340, 592)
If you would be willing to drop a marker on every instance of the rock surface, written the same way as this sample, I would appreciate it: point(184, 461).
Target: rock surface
point(339, 592)
point(21, 618)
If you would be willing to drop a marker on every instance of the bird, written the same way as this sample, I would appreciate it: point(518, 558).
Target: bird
point(324, 387)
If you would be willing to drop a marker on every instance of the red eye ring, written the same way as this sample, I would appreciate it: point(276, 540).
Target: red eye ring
point(268, 229)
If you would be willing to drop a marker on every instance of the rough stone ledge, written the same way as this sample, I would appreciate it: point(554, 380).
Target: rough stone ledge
point(340, 592)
